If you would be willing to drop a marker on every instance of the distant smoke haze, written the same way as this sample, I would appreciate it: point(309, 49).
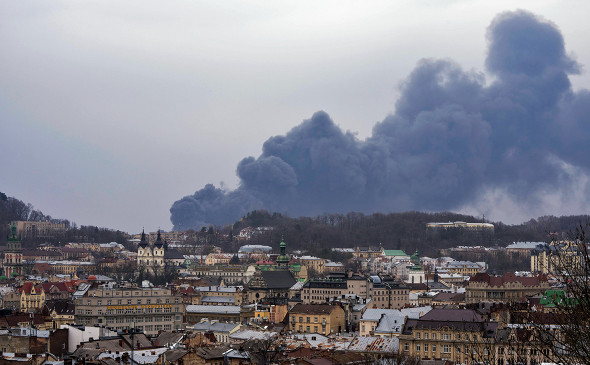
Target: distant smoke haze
point(519, 143)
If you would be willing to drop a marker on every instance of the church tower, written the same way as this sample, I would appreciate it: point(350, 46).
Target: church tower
point(151, 256)
point(283, 259)
point(13, 255)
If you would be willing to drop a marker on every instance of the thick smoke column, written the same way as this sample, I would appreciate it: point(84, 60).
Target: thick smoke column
point(452, 139)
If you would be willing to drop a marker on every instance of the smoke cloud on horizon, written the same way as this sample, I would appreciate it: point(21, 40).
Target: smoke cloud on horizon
point(453, 143)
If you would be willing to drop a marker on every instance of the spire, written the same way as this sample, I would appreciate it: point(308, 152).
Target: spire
point(143, 243)
point(158, 242)
point(283, 259)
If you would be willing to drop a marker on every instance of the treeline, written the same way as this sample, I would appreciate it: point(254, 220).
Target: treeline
point(13, 209)
point(406, 231)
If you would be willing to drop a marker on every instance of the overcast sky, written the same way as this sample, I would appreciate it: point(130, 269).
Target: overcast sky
point(112, 110)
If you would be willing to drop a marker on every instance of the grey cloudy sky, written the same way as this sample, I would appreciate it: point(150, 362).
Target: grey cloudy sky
point(112, 110)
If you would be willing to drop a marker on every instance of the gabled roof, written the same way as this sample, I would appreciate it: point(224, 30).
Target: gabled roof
point(61, 307)
point(168, 339)
point(507, 278)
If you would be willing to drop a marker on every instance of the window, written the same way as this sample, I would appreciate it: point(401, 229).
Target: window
point(426, 335)
point(434, 336)
point(307, 329)
point(406, 347)
point(418, 335)
point(446, 349)
point(300, 319)
point(308, 319)
point(425, 347)
point(433, 348)
point(315, 329)
point(418, 347)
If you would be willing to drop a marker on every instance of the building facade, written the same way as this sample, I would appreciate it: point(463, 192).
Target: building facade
point(147, 309)
point(324, 319)
point(506, 288)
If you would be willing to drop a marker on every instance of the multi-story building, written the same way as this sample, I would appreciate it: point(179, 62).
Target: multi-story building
point(467, 268)
point(218, 295)
point(506, 288)
point(315, 264)
point(43, 230)
point(147, 309)
point(556, 257)
point(385, 292)
point(32, 298)
point(68, 267)
point(231, 274)
point(324, 319)
point(366, 252)
point(388, 322)
point(462, 225)
point(447, 334)
point(321, 290)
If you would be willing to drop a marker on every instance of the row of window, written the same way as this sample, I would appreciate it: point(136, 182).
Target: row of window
point(444, 336)
point(129, 301)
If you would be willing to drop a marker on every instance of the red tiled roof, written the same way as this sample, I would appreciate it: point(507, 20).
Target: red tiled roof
point(507, 278)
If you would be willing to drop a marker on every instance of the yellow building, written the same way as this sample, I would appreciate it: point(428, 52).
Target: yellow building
point(324, 319)
point(555, 257)
point(506, 288)
point(316, 264)
point(32, 298)
point(29, 229)
point(218, 258)
point(447, 334)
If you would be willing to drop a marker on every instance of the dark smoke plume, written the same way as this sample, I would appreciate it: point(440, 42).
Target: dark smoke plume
point(452, 139)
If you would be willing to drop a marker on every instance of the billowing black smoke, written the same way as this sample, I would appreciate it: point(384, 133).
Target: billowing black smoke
point(452, 137)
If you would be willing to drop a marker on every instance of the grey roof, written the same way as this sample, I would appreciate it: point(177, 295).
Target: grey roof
point(525, 245)
point(218, 299)
point(374, 344)
point(173, 254)
point(218, 309)
point(278, 279)
point(168, 339)
point(215, 326)
point(172, 356)
point(390, 323)
point(252, 335)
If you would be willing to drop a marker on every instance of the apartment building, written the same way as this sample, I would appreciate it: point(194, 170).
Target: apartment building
point(324, 319)
point(387, 293)
point(147, 309)
point(321, 290)
point(315, 264)
point(467, 268)
point(447, 334)
point(231, 274)
point(43, 230)
point(556, 257)
point(506, 288)
point(218, 295)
